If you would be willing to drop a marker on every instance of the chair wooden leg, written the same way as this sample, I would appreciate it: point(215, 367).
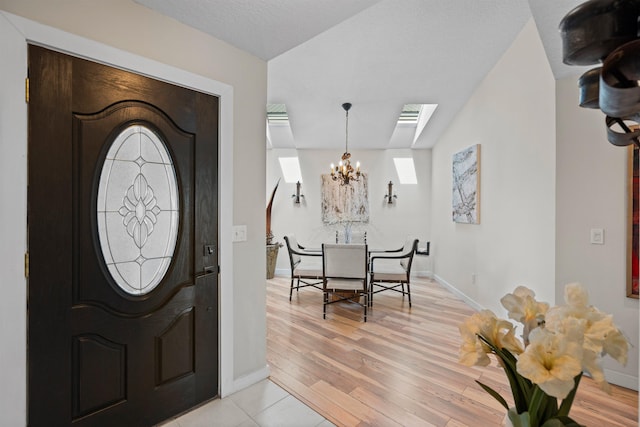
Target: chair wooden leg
point(366, 303)
point(409, 294)
point(291, 288)
point(324, 305)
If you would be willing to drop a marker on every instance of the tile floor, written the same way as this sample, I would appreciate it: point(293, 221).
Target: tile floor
point(264, 404)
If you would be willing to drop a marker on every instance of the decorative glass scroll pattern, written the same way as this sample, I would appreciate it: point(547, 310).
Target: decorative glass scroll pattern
point(138, 210)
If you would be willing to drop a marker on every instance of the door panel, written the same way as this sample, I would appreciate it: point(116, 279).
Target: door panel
point(100, 352)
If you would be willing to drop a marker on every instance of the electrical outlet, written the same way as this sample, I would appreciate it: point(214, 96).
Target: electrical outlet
point(239, 233)
point(597, 236)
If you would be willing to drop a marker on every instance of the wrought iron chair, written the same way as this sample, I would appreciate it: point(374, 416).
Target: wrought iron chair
point(306, 266)
point(392, 276)
point(344, 270)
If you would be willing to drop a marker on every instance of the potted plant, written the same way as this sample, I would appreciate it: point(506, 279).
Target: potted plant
point(545, 367)
point(272, 248)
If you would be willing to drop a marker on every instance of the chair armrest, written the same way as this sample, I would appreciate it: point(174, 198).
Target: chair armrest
point(388, 257)
point(306, 253)
point(424, 251)
point(385, 251)
point(404, 255)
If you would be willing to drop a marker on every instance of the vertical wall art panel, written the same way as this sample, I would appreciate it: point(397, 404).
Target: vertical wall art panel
point(345, 203)
point(466, 185)
point(633, 236)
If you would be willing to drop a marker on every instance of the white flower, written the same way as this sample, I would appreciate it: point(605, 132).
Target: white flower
point(616, 346)
point(551, 361)
point(498, 332)
point(601, 336)
point(564, 342)
point(575, 295)
point(524, 308)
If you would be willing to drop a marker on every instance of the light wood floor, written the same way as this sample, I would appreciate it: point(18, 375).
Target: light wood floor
point(401, 367)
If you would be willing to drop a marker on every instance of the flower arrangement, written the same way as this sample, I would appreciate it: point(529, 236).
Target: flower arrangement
point(558, 344)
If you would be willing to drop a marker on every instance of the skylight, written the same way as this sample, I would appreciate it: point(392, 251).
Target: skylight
point(290, 169)
point(410, 113)
point(277, 113)
point(411, 122)
point(406, 170)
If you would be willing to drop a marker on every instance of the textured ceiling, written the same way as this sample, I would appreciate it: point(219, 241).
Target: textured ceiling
point(376, 54)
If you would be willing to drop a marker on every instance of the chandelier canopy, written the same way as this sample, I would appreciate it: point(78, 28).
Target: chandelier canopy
point(344, 172)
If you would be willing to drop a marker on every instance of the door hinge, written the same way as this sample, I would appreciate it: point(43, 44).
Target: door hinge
point(26, 265)
point(26, 90)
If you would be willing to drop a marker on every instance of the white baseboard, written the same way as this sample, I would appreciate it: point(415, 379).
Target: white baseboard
point(424, 273)
point(248, 380)
point(458, 293)
point(282, 272)
point(623, 380)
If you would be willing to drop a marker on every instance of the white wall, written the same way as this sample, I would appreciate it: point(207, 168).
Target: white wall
point(548, 176)
point(132, 28)
point(511, 115)
point(592, 193)
point(389, 225)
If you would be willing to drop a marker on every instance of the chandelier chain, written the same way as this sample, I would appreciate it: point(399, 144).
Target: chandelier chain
point(344, 171)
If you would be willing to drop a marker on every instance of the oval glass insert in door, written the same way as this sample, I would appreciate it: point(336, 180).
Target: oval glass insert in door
point(138, 210)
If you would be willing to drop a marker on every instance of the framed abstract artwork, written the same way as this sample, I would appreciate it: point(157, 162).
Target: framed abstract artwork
point(465, 191)
point(345, 203)
point(633, 233)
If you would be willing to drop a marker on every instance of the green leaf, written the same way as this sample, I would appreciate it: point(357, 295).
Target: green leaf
point(565, 407)
point(561, 422)
point(550, 408)
point(535, 404)
point(495, 394)
point(520, 386)
point(554, 422)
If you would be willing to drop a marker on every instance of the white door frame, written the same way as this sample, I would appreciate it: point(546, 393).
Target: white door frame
point(13, 111)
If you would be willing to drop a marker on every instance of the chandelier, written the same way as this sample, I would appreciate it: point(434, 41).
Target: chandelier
point(344, 171)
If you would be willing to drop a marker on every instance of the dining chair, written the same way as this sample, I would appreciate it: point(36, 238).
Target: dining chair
point(344, 269)
point(306, 265)
point(388, 275)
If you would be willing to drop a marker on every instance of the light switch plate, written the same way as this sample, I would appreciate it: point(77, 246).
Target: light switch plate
point(239, 233)
point(597, 236)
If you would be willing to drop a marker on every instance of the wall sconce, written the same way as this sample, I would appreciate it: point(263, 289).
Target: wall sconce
point(298, 195)
point(390, 196)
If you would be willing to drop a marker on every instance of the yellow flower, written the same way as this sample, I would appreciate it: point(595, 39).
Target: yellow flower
point(616, 346)
point(498, 332)
point(601, 336)
point(564, 342)
point(551, 361)
point(575, 295)
point(524, 308)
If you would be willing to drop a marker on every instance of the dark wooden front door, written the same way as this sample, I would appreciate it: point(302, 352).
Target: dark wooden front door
point(123, 283)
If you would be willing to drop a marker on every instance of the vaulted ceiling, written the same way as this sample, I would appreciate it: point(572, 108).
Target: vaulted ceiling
point(377, 54)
